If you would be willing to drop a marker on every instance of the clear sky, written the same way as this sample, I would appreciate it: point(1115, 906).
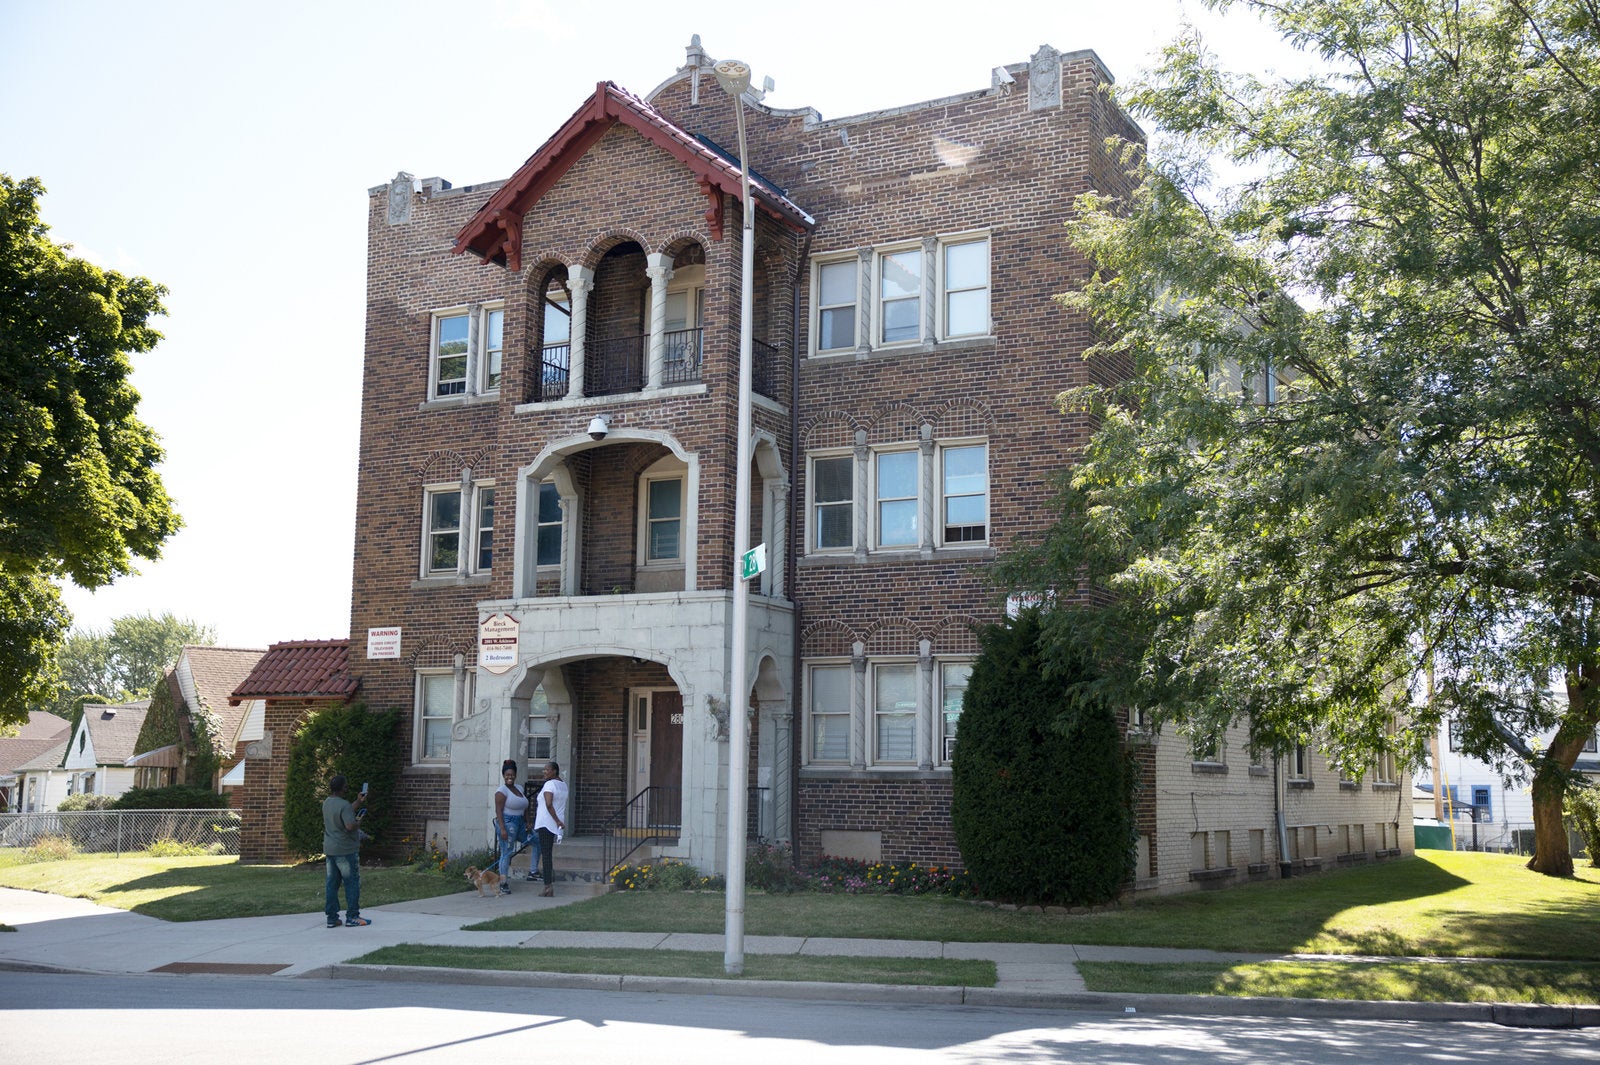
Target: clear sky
point(225, 149)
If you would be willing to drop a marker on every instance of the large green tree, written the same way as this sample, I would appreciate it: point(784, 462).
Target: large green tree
point(1353, 468)
point(123, 662)
point(80, 498)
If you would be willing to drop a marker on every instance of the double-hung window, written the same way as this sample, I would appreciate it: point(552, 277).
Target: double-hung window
point(894, 712)
point(837, 293)
point(829, 709)
point(895, 503)
point(494, 331)
point(436, 699)
point(457, 533)
point(833, 502)
point(964, 493)
point(953, 677)
point(900, 296)
point(549, 525)
point(450, 354)
point(965, 282)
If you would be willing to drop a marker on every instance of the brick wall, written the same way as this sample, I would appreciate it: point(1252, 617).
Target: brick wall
point(260, 799)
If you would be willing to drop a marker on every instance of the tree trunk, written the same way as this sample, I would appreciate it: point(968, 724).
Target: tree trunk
point(1551, 855)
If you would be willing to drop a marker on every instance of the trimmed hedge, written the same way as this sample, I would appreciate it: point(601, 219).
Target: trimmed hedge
point(1042, 804)
point(173, 797)
point(360, 743)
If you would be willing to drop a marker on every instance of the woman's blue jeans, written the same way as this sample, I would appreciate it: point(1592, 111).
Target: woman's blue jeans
point(514, 837)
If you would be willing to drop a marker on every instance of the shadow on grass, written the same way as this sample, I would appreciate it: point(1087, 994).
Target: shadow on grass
point(212, 892)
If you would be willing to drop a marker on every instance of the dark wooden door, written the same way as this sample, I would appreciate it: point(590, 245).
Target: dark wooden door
point(666, 756)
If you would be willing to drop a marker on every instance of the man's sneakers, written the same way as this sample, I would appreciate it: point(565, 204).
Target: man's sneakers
point(333, 922)
point(356, 922)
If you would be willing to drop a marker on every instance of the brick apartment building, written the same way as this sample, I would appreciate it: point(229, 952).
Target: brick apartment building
point(544, 549)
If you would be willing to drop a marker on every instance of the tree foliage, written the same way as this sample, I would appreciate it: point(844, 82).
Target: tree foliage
point(350, 739)
point(123, 663)
point(1359, 445)
point(80, 497)
point(1040, 805)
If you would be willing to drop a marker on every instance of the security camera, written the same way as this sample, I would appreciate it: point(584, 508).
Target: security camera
point(599, 426)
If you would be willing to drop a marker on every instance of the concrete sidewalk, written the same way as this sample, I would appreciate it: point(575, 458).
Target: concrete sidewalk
point(63, 934)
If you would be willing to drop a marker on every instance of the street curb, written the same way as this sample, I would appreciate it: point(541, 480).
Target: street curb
point(1510, 1015)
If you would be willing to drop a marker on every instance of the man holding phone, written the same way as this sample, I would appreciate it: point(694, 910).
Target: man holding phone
point(341, 848)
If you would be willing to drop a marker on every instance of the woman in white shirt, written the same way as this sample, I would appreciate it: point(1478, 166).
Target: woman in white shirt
point(550, 822)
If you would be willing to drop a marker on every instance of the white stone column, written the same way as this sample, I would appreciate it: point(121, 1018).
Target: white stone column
point(571, 543)
point(928, 497)
point(858, 705)
point(773, 772)
point(776, 528)
point(930, 290)
point(863, 508)
point(866, 302)
point(464, 523)
point(580, 282)
point(659, 269)
point(924, 733)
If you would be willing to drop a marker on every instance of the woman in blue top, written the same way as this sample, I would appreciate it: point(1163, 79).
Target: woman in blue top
point(510, 819)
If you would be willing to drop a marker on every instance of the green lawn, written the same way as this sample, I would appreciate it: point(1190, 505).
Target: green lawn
point(940, 972)
point(1550, 983)
point(203, 889)
point(1438, 904)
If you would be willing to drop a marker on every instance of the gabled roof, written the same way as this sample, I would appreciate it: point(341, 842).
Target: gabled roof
point(495, 232)
point(307, 669)
point(213, 673)
point(49, 758)
point(36, 735)
point(114, 729)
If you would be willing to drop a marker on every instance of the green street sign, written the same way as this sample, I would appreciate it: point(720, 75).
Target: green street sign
point(753, 562)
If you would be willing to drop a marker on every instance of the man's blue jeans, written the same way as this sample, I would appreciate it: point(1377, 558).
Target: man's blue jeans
point(344, 868)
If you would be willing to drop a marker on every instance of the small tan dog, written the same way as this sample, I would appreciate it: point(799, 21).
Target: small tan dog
point(487, 881)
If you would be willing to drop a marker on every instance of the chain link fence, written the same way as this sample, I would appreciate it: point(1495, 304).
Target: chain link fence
point(122, 832)
point(1507, 837)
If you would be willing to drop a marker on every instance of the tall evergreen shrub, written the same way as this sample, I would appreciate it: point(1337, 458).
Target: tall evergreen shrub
point(1041, 807)
point(360, 743)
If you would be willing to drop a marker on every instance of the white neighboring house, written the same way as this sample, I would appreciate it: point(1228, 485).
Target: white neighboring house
point(1485, 810)
point(36, 736)
point(97, 753)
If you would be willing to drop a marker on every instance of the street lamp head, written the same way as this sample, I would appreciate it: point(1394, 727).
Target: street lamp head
point(733, 76)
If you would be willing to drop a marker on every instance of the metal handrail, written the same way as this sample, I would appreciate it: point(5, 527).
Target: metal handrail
point(554, 373)
point(654, 815)
point(685, 350)
point(768, 371)
point(614, 366)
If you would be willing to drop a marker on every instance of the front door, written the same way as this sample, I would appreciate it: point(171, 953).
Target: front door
point(656, 752)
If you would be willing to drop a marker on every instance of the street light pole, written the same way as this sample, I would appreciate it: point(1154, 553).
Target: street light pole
point(734, 77)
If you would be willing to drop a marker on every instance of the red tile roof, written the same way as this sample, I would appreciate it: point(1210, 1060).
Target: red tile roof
point(495, 232)
point(307, 669)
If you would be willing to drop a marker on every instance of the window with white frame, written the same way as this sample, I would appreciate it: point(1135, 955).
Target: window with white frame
point(828, 709)
point(965, 281)
point(1300, 763)
point(832, 485)
point(953, 677)
point(661, 511)
point(894, 713)
point(457, 534)
point(837, 293)
point(1206, 747)
point(957, 292)
point(493, 333)
point(436, 707)
point(450, 353)
point(895, 481)
point(549, 525)
point(1384, 770)
point(964, 493)
point(483, 529)
point(900, 296)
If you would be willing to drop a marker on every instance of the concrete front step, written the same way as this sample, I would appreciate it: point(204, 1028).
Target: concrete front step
point(578, 863)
